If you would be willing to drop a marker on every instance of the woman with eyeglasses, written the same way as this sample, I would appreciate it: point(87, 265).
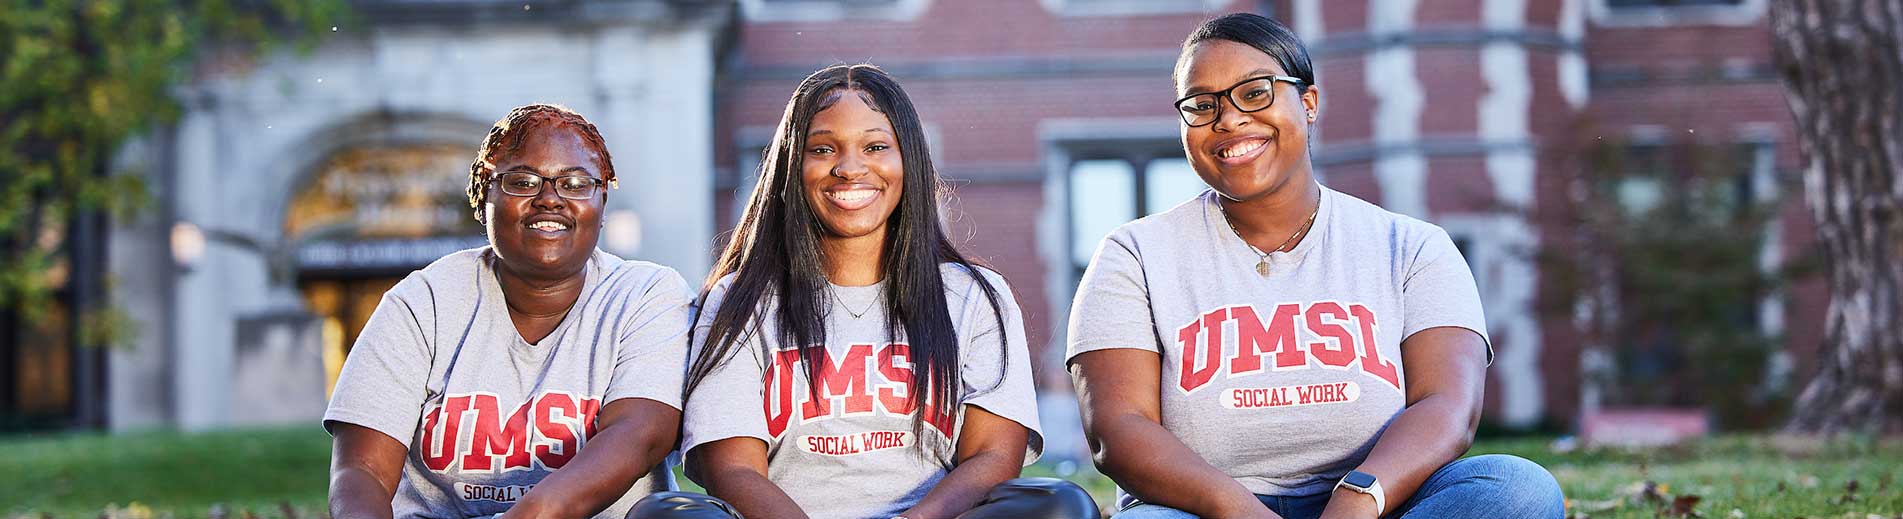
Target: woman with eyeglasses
point(849, 361)
point(1275, 348)
point(535, 377)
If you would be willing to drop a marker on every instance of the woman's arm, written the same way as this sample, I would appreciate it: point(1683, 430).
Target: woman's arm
point(364, 468)
point(990, 451)
point(1121, 395)
point(632, 436)
point(1445, 380)
point(734, 470)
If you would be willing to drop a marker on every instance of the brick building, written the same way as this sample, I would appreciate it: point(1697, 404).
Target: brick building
point(1051, 118)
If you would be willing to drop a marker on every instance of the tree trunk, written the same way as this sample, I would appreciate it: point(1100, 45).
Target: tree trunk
point(1842, 65)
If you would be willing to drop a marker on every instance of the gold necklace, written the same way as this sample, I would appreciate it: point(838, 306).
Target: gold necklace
point(1262, 262)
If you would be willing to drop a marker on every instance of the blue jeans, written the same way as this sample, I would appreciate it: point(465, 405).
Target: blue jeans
point(1493, 485)
point(1022, 498)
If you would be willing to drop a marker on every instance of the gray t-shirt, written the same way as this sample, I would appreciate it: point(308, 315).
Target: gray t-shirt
point(852, 453)
point(485, 415)
point(1282, 382)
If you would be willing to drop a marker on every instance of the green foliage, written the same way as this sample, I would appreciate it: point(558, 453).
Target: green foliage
point(1661, 267)
point(78, 78)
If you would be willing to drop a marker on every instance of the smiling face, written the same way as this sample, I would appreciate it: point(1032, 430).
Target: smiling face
point(1245, 156)
point(546, 236)
point(851, 168)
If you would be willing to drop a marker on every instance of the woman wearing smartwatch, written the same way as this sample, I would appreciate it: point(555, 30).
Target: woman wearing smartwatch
point(1274, 348)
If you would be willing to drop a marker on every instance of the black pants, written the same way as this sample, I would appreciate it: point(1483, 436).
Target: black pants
point(1022, 498)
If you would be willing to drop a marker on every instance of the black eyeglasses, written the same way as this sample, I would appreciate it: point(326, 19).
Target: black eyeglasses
point(522, 183)
point(1251, 95)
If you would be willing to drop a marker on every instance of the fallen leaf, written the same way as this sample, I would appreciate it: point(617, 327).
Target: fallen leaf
point(1682, 506)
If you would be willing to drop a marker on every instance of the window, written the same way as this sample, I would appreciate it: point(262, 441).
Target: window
point(1618, 4)
point(1687, 243)
point(1106, 192)
point(831, 10)
point(1665, 13)
point(1150, 7)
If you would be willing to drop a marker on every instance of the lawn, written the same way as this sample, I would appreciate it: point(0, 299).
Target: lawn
point(281, 472)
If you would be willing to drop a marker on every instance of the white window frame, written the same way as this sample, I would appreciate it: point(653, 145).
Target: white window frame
point(1131, 7)
point(1748, 12)
point(830, 10)
point(1057, 137)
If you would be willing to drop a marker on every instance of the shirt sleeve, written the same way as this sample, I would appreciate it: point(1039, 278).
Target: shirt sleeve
point(730, 401)
point(382, 384)
point(1112, 306)
point(1438, 290)
point(651, 346)
point(1000, 381)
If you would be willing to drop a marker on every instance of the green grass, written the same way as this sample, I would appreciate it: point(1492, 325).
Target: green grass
point(1756, 476)
point(262, 472)
point(80, 475)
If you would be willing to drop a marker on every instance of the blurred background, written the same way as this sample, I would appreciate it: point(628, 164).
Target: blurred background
point(1621, 175)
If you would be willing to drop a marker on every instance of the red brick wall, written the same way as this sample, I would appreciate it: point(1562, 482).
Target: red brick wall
point(971, 68)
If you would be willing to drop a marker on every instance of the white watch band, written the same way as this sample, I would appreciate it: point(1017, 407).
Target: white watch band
point(1374, 491)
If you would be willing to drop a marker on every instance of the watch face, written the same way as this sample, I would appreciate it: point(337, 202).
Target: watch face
point(1359, 479)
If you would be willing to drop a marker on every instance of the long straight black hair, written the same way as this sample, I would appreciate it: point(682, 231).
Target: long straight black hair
point(774, 253)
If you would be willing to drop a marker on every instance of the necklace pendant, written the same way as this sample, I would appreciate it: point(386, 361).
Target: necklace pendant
point(1262, 268)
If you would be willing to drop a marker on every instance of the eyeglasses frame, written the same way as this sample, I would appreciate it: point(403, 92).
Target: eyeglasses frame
point(595, 183)
point(1229, 93)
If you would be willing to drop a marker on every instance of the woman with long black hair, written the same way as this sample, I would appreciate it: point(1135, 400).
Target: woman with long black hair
point(1274, 348)
point(849, 360)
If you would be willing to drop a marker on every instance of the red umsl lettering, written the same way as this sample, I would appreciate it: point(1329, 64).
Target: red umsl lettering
point(492, 439)
point(1341, 351)
point(563, 440)
point(1253, 340)
point(549, 429)
point(850, 381)
point(846, 379)
point(1201, 342)
point(1202, 356)
point(778, 399)
point(442, 433)
point(895, 365)
point(1371, 361)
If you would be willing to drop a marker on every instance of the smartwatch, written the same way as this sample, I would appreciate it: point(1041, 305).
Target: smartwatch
point(1365, 483)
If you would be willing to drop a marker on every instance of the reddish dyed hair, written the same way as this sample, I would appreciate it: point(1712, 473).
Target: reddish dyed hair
point(506, 138)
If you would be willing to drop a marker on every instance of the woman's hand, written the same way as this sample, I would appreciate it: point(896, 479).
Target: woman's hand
point(1120, 391)
point(734, 470)
point(632, 436)
point(1446, 378)
point(990, 451)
